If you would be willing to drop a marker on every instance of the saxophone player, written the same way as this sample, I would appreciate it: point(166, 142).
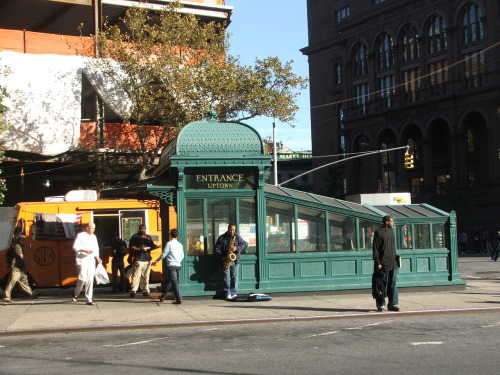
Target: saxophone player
point(228, 247)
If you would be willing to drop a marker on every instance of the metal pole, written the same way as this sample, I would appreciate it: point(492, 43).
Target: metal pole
point(275, 157)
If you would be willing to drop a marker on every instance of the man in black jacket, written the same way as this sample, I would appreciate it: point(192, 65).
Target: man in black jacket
point(230, 243)
point(385, 262)
point(141, 245)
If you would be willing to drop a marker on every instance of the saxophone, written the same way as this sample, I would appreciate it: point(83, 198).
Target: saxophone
point(229, 256)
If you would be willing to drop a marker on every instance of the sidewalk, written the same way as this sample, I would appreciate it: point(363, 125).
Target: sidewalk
point(54, 311)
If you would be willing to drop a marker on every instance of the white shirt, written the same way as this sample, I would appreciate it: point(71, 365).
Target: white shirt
point(174, 252)
point(85, 241)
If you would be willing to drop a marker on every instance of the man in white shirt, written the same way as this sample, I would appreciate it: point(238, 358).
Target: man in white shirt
point(174, 252)
point(87, 252)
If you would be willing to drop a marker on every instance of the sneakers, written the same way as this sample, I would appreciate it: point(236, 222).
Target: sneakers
point(229, 297)
point(8, 300)
point(177, 302)
point(162, 299)
point(380, 308)
point(132, 294)
point(35, 295)
point(393, 308)
point(146, 294)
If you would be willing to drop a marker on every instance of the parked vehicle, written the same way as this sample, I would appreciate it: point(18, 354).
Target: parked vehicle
point(52, 226)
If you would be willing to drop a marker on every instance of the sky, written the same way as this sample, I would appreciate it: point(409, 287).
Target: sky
point(263, 28)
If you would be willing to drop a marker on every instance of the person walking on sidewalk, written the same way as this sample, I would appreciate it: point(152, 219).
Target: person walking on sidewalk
point(87, 253)
point(228, 247)
point(141, 245)
point(384, 258)
point(174, 253)
point(18, 273)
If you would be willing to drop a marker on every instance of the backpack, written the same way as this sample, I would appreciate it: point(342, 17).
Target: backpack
point(121, 248)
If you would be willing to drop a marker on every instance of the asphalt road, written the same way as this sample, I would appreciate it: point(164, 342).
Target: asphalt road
point(432, 344)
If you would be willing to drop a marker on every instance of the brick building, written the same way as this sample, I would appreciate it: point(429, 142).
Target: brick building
point(388, 73)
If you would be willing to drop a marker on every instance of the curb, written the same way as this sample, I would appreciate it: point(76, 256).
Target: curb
point(202, 323)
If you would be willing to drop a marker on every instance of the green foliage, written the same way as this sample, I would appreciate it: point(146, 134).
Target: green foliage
point(177, 68)
point(3, 127)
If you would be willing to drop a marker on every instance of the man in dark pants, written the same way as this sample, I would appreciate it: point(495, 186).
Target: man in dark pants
point(384, 258)
point(120, 249)
point(230, 244)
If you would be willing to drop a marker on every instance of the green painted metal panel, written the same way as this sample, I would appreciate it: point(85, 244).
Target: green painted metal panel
point(282, 270)
point(423, 264)
point(308, 269)
point(344, 267)
point(441, 264)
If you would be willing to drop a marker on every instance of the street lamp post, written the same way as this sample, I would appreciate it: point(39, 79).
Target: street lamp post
point(275, 157)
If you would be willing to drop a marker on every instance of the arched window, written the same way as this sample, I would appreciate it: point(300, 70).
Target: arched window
point(473, 25)
point(410, 49)
point(341, 125)
point(436, 34)
point(384, 51)
point(360, 57)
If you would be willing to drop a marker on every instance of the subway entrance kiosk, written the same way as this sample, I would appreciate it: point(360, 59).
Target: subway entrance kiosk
point(213, 174)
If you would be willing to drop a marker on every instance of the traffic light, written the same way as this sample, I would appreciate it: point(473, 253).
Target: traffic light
point(409, 161)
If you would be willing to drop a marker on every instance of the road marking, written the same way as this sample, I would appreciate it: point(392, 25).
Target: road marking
point(427, 343)
point(348, 329)
point(368, 325)
point(321, 334)
point(138, 342)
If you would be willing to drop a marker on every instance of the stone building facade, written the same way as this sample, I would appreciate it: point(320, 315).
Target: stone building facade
point(422, 73)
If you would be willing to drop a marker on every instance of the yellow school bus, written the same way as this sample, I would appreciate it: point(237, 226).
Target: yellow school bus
point(52, 226)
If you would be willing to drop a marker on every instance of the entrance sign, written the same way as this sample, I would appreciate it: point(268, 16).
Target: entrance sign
point(215, 181)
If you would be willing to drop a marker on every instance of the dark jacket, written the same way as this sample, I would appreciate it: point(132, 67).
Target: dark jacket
point(384, 249)
point(141, 241)
point(222, 246)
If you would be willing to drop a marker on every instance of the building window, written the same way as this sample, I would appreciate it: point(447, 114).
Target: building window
point(389, 181)
point(471, 141)
point(362, 95)
point(342, 13)
point(384, 50)
point(438, 75)
point(342, 231)
point(280, 227)
point(312, 231)
point(473, 69)
point(442, 181)
point(360, 60)
point(416, 187)
point(411, 84)
point(338, 73)
point(472, 178)
point(473, 25)
point(341, 125)
point(410, 49)
point(387, 157)
point(436, 34)
point(386, 90)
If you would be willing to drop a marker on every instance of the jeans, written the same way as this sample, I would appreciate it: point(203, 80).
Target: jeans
point(172, 281)
point(231, 279)
point(390, 280)
point(118, 266)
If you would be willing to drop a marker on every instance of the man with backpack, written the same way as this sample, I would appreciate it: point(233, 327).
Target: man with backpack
point(120, 250)
point(16, 260)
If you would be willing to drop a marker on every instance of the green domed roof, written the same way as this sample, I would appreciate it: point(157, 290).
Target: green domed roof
point(218, 137)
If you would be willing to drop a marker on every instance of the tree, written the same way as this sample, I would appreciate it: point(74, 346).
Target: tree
point(173, 68)
point(3, 127)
